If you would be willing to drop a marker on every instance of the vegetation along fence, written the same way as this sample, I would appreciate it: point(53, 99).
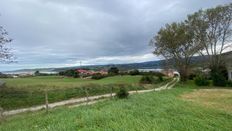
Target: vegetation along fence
point(13, 98)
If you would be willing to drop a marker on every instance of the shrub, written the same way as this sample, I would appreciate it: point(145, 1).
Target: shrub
point(219, 76)
point(160, 78)
point(229, 83)
point(201, 80)
point(113, 71)
point(147, 79)
point(122, 93)
point(192, 76)
point(134, 72)
point(70, 73)
point(219, 79)
point(98, 76)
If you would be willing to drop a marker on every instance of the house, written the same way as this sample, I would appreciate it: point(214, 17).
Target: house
point(170, 72)
point(84, 73)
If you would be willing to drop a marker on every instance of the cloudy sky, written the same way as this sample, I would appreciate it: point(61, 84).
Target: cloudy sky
point(58, 33)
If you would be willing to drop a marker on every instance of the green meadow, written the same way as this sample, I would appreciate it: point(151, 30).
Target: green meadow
point(27, 92)
point(59, 82)
point(181, 108)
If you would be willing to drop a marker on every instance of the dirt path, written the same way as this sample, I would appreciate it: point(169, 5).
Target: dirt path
point(84, 101)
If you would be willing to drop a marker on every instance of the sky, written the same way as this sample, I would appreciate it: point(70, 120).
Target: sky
point(61, 33)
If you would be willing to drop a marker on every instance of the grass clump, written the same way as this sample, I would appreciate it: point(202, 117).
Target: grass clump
point(98, 76)
point(147, 79)
point(122, 93)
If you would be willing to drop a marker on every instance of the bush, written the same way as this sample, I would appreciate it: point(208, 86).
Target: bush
point(134, 72)
point(122, 93)
point(70, 73)
point(147, 79)
point(160, 78)
point(219, 79)
point(229, 83)
point(98, 76)
point(219, 76)
point(192, 76)
point(113, 71)
point(201, 80)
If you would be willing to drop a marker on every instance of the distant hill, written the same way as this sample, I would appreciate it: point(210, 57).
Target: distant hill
point(144, 65)
point(197, 60)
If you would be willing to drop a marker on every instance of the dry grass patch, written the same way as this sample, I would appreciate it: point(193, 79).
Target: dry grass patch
point(212, 98)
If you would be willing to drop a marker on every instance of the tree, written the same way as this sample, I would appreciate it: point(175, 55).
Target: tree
point(175, 42)
point(113, 71)
point(69, 73)
point(213, 29)
point(5, 52)
point(134, 72)
point(37, 73)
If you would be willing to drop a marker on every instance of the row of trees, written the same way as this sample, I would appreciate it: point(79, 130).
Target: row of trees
point(206, 32)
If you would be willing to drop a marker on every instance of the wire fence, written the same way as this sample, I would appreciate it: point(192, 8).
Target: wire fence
point(14, 98)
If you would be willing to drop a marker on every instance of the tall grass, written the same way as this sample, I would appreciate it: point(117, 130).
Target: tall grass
point(30, 94)
point(12, 98)
point(161, 111)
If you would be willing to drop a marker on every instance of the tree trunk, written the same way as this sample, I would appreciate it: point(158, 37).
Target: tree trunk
point(183, 74)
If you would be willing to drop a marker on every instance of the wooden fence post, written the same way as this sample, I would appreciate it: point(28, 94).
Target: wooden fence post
point(136, 87)
point(87, 95)
point(1, 114)
point(46, 100)
point(111, 95)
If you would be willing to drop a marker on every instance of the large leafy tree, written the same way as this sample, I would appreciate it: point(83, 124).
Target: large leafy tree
point(175, 42)
point(5, 52)
point(213, 29)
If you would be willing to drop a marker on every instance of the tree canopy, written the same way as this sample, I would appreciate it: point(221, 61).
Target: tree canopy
point(213, 29)
point(175, 41)
point(206, 32)
point(5, 52)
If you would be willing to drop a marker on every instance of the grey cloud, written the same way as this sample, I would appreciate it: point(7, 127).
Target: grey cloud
point(58, 32)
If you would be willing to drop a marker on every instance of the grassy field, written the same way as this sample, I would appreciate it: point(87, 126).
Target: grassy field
point(27, 92)
point(59, 82)
point(176, 109)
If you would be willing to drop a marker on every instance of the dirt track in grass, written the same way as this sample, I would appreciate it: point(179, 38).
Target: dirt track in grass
point(80, 101)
